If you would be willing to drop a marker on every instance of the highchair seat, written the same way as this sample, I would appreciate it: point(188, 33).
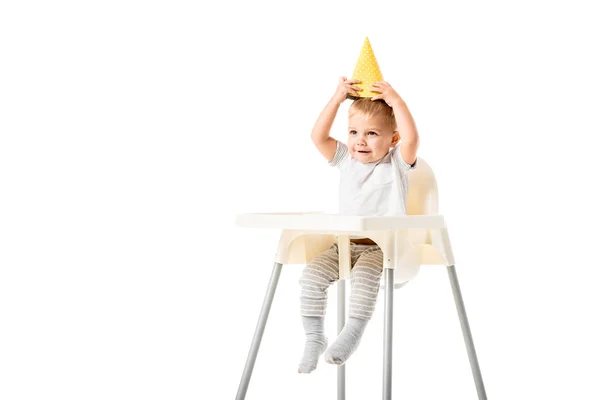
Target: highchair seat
point(407, 242)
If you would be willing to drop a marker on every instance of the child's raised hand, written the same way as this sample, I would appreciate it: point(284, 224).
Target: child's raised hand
point(345, 88)
point(388, 94)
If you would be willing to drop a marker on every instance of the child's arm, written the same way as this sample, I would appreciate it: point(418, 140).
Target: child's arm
point(404, 120)
point(320, 133)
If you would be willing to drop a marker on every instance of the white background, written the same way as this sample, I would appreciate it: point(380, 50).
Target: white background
point(132, 133)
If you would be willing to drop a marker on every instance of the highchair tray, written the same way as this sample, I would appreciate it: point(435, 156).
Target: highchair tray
point(314, 221)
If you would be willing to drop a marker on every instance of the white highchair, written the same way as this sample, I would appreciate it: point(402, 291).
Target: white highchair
point(407, 242)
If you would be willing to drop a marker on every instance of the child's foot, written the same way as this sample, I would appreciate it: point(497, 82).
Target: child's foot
point(312, 351)
point(316, 343)
point(347, 341)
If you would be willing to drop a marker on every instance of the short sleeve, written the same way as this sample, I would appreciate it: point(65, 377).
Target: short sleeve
point(341, 153)
point(400, 161)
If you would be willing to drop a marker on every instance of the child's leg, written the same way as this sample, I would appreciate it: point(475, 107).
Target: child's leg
point(316, 279)
point(365, 278)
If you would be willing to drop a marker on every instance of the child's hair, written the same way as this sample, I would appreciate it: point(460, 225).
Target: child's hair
point(368, 108)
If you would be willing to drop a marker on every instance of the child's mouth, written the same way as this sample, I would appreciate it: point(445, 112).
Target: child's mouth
point(363, 151)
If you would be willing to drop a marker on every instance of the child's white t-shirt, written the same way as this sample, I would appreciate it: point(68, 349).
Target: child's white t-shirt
point(377, 188)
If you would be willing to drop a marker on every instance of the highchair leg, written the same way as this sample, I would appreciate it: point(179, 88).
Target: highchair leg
point(341, 370)
point(258, 333)
point(388, 333)
point(464, 323)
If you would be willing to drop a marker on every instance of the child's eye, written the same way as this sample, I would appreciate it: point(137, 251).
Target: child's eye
point(372, 133)
point(353, 132)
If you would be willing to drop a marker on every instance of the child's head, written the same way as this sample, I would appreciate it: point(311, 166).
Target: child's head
point(371, 130)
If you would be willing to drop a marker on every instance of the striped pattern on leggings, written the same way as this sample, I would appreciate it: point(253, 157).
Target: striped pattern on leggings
point(323, 270)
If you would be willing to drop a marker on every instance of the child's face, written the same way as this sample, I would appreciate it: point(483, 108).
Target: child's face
point(369, 139)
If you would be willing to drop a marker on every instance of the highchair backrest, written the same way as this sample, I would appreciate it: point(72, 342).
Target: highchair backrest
point(422, 196)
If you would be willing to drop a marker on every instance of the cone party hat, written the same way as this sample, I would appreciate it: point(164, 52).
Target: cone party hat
point(366, 71)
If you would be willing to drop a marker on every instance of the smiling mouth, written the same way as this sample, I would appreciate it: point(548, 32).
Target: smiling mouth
point(363, 151)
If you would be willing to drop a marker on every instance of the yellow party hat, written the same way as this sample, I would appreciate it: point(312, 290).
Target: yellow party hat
point(366, 71)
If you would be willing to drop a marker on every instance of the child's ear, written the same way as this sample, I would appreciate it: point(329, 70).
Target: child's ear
point(395, 138)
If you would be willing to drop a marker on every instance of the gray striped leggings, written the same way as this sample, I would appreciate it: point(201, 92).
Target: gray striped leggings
point(323, 270)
